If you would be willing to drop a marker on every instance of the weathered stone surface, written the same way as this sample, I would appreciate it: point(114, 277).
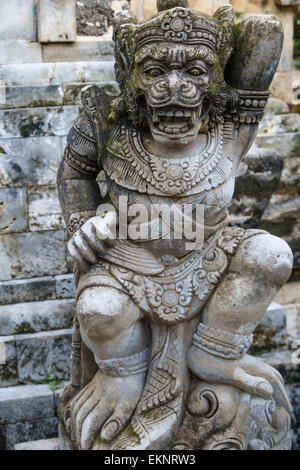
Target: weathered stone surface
point(72, 91)
point(26, 403)
point(44, 211)
point(79, 51)
point(32, 254)
point(13, 210)
point(31, 161)
point(25, 96)
point(33, 317)
point(37, 122)
point(283, 210)
point(29, 430)
point(276, 106)
point(291, 375)
point(44, 354)
point(27, 290)
point(56, 20)
point(271, 334)
point(290, 142)
point(8, 361)
point(18, 20)
point(56, 73)
point(42, 444)
point(257, 179)
point(20, 52)
point(65, 287)
point(280, 124)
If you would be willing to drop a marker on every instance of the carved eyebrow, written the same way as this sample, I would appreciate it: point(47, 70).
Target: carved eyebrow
point(164, 54)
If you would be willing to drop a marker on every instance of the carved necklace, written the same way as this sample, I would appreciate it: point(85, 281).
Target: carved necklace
point(167, 175)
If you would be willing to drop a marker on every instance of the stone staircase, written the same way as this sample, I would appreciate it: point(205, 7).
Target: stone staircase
point(38, 104)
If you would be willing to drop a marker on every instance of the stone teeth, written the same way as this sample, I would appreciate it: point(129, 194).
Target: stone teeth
point(176, 131)
point(161, 113)
point(170, 113)
point(184, 129)
point(187, 113)
point(161, 128)
point(179, 113)
point(168, 130)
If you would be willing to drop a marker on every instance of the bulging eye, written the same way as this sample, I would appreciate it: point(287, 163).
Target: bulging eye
point(196, 71)
point(154, 71)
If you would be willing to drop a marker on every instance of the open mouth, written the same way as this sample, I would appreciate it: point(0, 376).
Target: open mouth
point(174, 121)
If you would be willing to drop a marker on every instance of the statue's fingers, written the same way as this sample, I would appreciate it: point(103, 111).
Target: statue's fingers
point(86, 252)
point(103, 229)
point(89, 234)
point(77, 257)
point(254, 385)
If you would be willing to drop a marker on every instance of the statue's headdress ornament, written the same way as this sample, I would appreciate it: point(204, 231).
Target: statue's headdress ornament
point(176, 23)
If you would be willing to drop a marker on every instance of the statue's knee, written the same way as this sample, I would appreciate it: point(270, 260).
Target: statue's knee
point(266, 257)
point(104, 312)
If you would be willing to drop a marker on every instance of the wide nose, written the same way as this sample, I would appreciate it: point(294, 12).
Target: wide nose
point(174, 80)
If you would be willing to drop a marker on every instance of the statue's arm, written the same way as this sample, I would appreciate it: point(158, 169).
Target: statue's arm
point(78, 189)
point(258, 44)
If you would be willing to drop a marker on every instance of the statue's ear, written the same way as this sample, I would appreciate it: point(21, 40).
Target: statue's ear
point(225, 17)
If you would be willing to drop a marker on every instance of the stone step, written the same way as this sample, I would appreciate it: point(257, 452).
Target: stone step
point(35, 357)
point(56, 73)
point(12, 97)
point(37, 122)
point(42, 444)
point(34, 317)
point(36, 289)
point(27, 413)
point(79, 51)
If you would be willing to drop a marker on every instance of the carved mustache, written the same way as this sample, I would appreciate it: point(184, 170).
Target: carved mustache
point(185, 94)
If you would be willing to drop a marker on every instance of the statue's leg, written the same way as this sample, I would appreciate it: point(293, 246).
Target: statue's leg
point(261, 265)
point(112, 327)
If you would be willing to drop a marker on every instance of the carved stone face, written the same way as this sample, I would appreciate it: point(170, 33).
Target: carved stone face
point(174, 80)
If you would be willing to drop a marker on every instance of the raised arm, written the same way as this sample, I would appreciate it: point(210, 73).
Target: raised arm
point(257, 49)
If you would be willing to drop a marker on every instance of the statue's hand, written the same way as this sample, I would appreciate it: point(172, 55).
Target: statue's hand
point(91, 240)
point(249, 374)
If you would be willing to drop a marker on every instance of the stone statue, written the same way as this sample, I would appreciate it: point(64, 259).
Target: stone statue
point(162, 327)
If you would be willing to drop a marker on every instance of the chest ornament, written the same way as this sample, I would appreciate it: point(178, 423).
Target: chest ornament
point(130, 165)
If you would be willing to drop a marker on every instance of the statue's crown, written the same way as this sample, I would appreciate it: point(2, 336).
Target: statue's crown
point(176, 23)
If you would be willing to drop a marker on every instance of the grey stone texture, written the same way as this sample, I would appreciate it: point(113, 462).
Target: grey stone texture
point(78, 51)
point(27, 402)
point(13, 210)
point(41, 444)
point(8, 362)
point(20, 52)
point(32, 254)
point(31, 161)
point(28, 431)
point(43, 209)
point(37, 122)
point(56, 73)
point(65, 287)
point(25, 96)
point(18, 20)
point(35, 289)
point(56, 20)
point(27, 290)
point(44, 354)
point(32, 317)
